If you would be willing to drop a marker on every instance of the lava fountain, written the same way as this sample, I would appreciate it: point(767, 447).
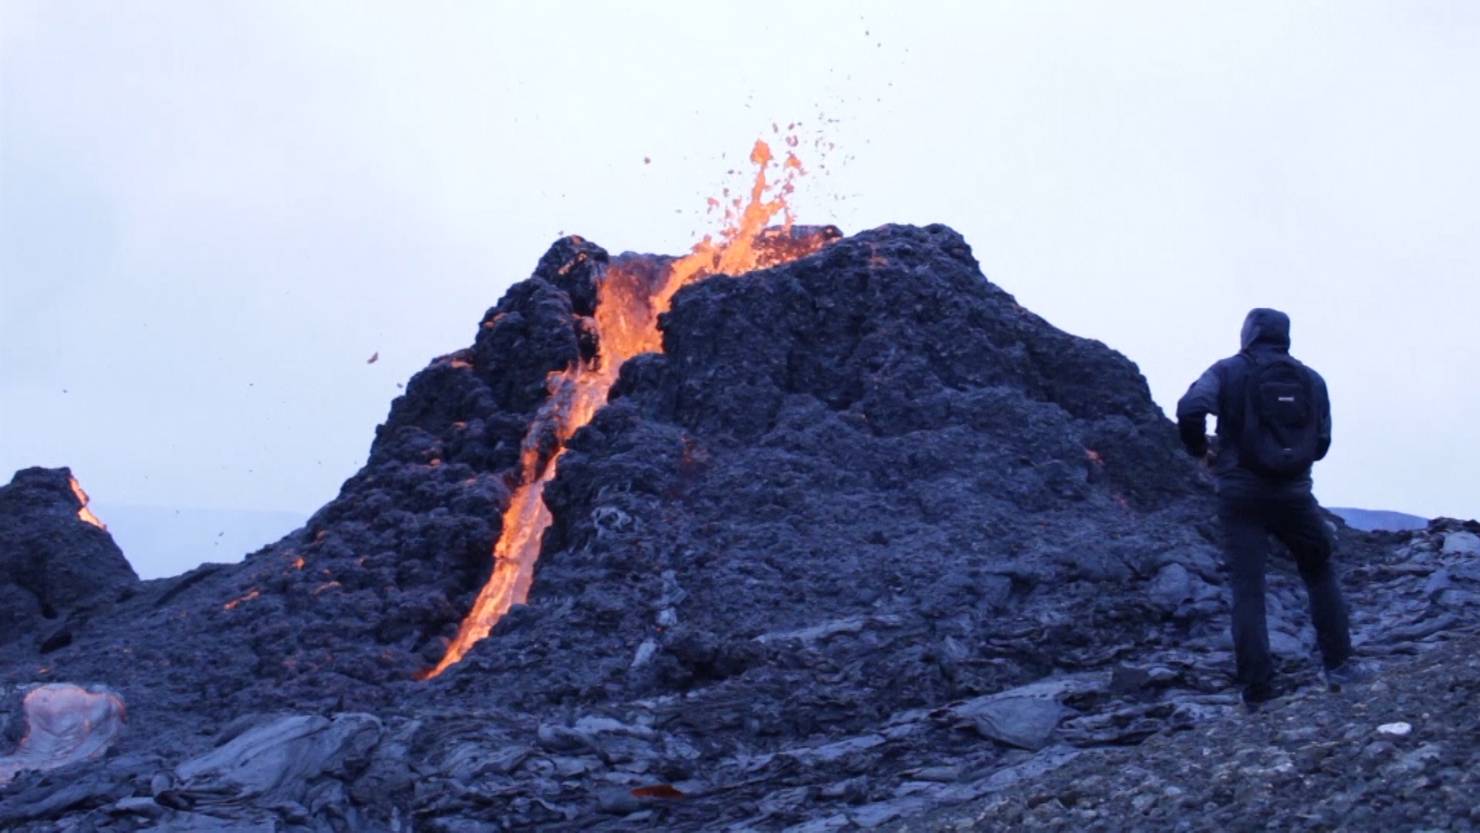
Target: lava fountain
point(626, 324)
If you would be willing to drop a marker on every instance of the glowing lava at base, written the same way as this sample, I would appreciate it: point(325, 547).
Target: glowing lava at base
point(627, 325)
point(82, 511)
point(65, 724)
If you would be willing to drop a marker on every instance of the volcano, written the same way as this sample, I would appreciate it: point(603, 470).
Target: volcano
point(799, 531)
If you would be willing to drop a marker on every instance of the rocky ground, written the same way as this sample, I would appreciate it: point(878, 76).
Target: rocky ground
point(1398, 754)
point(868, 544)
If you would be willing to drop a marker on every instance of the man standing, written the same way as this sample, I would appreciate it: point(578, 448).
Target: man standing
point(1274, 422)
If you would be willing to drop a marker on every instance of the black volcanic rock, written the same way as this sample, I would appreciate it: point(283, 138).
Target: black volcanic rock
point(53, 564)
point(364, 596)
point(873, 431)
point(868, 538)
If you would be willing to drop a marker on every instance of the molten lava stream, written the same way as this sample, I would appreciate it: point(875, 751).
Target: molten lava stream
point(83, 512)
point(626, 325)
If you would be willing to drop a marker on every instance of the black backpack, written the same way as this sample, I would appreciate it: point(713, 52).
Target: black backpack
point(1279, 437)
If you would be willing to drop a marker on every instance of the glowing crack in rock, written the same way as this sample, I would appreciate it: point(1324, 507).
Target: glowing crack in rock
point(65, 724)
point(627, 325)
point(82, 511)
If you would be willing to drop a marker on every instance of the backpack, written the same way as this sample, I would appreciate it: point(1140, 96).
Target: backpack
point(1278, 438)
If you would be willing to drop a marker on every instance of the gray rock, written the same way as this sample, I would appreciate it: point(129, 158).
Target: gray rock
point(875, 815)
point(204, 823)
point(617, 801)
point(1285, 645)
point(827, 630)
point(1023, 721)
point(943, 774)
point(1125, 679)
point(465, 759)
point(457, 825)
point(280, 761)
point(558, 738)
point(836, 751)
point(1396, 729)
point(597, 725)
point(138, 806)
point(1437, 583)
point(1462, 543)
point(48, 800)
point(1459, 598)
point(645, 653)
point(1170, 588)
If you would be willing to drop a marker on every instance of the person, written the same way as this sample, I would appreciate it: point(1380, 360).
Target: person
point(1274, 422)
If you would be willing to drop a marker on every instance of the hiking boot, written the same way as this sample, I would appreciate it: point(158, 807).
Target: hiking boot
point(1258, 694)
point(1349, 673)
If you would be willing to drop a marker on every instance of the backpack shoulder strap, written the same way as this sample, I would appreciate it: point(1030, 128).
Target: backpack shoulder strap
point(1236, 373)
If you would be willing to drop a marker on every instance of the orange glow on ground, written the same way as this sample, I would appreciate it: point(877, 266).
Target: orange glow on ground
point(250, 595)
point(627, 324)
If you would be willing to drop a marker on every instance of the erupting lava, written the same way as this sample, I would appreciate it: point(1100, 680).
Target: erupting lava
point(627, 325)
point(82, 511)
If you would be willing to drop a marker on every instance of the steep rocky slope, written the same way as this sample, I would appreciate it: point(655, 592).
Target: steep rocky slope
point(866, 539)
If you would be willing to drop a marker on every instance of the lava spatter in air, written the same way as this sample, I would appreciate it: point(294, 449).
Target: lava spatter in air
point(627, 325)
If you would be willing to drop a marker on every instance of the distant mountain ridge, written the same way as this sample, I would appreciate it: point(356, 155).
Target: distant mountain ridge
point(1374, 520)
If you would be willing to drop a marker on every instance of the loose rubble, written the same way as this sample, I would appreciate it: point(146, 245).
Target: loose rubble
point(1398, 754)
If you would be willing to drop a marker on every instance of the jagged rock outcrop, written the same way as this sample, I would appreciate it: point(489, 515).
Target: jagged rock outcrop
point(873, 431)
point(367, 591)
point(55, 566)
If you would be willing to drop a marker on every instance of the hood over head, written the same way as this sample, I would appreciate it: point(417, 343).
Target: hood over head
point(1266, 328)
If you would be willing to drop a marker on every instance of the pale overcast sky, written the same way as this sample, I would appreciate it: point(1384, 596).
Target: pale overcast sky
point(212, 213)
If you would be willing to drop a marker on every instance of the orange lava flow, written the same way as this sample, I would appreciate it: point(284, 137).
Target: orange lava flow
point(82, 511)
point(627, 325)
point(247, 597)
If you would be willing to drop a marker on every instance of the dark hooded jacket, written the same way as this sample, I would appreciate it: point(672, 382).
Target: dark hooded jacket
point(1220, 391)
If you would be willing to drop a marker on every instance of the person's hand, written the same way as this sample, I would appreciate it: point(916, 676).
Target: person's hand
point(1210, 453)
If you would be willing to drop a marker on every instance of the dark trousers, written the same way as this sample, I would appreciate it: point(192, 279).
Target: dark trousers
point(1296, 521)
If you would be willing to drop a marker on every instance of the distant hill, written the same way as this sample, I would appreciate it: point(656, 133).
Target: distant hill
point(164, 541)
point(1372, 520)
